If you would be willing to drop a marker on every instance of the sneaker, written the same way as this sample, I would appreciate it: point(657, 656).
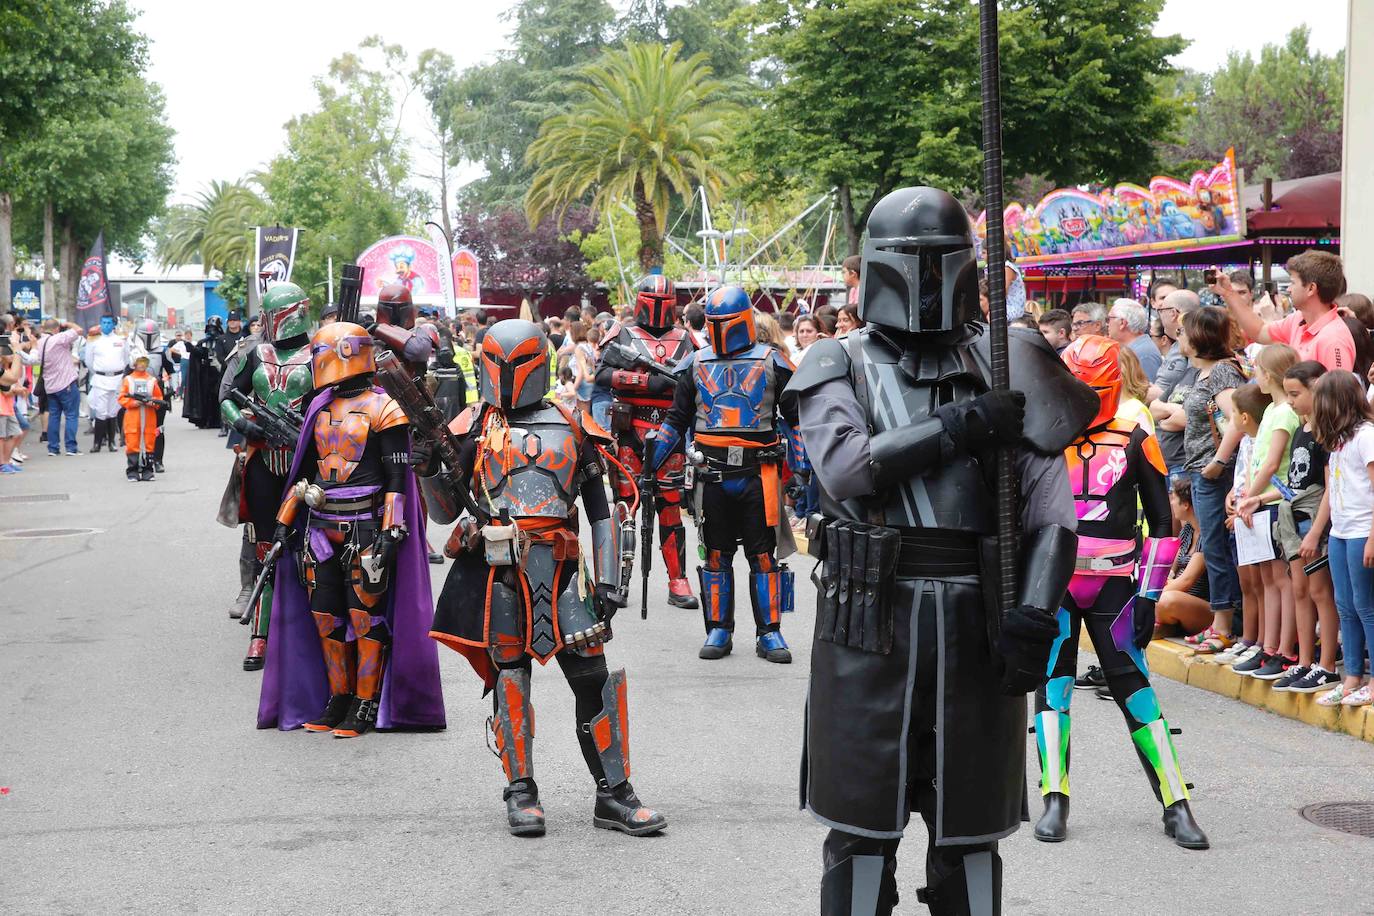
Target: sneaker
point(78, 452)
point(1333, 698)
point(1358, 697)
point(8, 469)
point(1104, 693)
point(19, 457)
point(1093, 679)
point(1317, 678)
point(1233, 654)
point(1251, 663)
point(1273, 668)
point(1290, 677)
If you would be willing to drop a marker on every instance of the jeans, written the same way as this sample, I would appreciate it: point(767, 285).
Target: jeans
point(1218, 549)
point(1354, 585)
point(67, 401)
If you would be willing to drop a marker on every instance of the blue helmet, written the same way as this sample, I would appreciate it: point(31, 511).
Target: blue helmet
point(730, 320)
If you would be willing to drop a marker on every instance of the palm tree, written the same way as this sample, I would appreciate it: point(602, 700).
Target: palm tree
point(643, 124)
point(214, 231)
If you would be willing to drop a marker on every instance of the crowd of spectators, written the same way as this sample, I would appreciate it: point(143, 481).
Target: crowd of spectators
point(1262, 409)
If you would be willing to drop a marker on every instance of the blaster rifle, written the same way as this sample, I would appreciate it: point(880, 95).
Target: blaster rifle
point(627, 359)
point(269, 563)
point(150, 401)
point(646, 524)
point(282, 428)
point(429, 423)
point(350, 293)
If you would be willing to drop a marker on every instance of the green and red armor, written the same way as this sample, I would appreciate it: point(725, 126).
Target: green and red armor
point(273, 370)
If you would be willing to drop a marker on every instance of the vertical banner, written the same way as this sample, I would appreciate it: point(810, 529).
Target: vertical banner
point(171, 316)
point(274, 253)
point(466, 279)
point(93, 294)
point(26, 298)
point(441, 244)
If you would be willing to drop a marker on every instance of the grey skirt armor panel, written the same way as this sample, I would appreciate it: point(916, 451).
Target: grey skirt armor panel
point(855, 770)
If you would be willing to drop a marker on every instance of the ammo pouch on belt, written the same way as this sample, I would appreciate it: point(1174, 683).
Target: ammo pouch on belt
point(622, 416)
point(855, 586)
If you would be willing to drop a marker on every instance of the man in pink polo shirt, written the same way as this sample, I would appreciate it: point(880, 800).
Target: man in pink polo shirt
point(1314, 329)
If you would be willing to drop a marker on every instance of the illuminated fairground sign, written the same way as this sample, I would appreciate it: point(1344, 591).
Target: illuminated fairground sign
point(1071, 226)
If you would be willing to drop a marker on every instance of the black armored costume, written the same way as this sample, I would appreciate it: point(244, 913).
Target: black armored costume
point(918, 681)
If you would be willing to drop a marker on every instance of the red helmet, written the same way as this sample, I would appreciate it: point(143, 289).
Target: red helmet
point(1094, 361)
point(655, 301)
point(395, 306)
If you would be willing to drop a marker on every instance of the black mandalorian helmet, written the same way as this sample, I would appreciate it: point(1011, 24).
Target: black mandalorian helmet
point(920, 272)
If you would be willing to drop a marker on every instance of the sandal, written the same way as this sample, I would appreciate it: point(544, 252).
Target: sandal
point(1216, 642)
point(1198, 639)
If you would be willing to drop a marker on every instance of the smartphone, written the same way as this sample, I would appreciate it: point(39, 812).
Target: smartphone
point(1209, 276)
point(1316, 565)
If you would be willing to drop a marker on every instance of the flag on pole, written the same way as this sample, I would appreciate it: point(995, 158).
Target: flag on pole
point(445, 250)
point(93, 298)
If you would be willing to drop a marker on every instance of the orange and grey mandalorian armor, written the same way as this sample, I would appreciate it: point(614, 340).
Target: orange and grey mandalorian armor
point(528, 461)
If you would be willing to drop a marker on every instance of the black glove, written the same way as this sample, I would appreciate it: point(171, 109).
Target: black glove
point(249, 429)
point(1027, 635)
point(385, 546)
point(608, 600)
point(1143, 621)
point(283, 534)
point(991, 419)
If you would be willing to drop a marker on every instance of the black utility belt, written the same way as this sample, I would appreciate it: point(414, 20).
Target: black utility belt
point(113, 372)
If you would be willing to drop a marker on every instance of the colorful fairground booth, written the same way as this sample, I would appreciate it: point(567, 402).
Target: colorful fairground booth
point(1095, 245)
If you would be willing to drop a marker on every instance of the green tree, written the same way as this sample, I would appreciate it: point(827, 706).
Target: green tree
point(498, 107)
point(101, 166)
point(643, 125)
point(880, 93)
point(215, 230)
point(1282, 112)
point(619, 273)
point(57, 57)
point(343, 174)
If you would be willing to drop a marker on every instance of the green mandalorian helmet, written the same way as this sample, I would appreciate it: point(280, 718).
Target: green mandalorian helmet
point(286, 312)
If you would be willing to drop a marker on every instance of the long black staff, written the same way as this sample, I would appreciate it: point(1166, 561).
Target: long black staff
point(997, 281)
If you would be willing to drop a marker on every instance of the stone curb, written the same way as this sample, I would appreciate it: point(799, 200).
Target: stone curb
point(1177, 662)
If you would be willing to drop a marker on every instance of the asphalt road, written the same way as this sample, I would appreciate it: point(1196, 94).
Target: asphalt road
point(137, 782)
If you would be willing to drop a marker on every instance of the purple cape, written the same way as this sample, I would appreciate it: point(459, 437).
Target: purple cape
point(295, 686)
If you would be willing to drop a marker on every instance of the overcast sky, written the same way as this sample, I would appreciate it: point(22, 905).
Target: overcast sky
point(235, 72)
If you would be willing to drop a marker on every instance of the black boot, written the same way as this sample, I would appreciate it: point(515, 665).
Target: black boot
point(361, 719)
point(1053, 825)
point(1179, 824)
point(973, 888)
point(524, 813)
point(131, 470)
point(858, 885)
point(334, 713)
point(620, 809)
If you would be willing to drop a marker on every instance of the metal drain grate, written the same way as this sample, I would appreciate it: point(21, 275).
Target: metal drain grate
point(36, 498)
point(46, 533)
point(1348, 817)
